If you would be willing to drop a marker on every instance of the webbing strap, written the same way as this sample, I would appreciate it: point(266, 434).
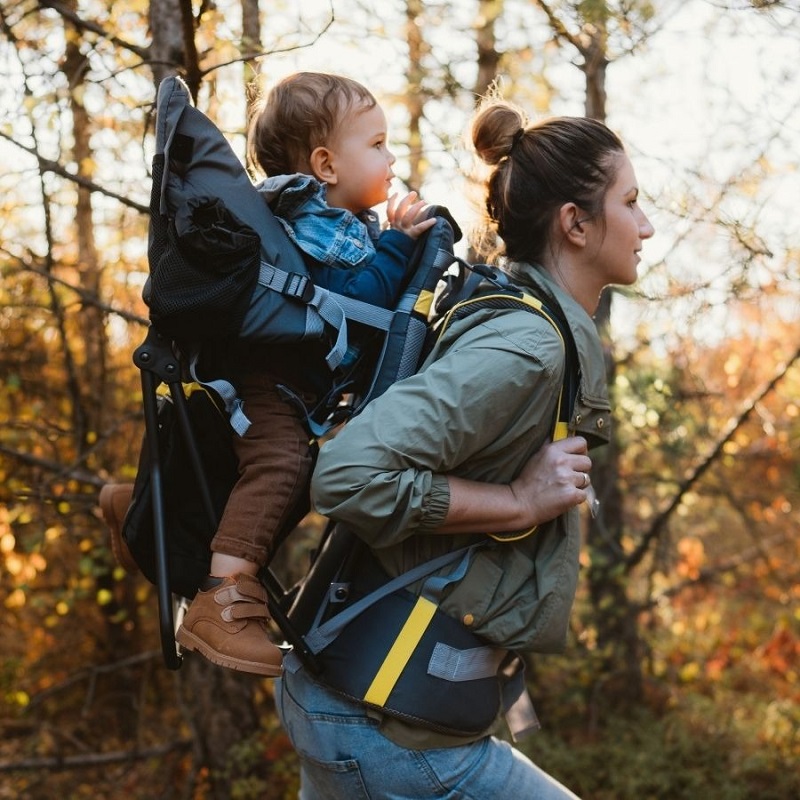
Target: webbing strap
point(226, 393)
point(424, 303)
point(561, 426)
point(359, 311)
point(519, 711)
point(335, 309)
point(412, 632)
point(401, 651)
point(451, 664)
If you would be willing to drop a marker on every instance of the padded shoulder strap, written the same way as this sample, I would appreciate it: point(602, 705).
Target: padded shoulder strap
point(508, 295)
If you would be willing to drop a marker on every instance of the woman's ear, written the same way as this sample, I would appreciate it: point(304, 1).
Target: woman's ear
point(321, 163)
point(572, 221)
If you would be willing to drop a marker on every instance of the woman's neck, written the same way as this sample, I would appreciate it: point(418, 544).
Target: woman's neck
point(576, 279)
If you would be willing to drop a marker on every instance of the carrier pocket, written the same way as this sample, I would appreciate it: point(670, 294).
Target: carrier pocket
point(204, 277)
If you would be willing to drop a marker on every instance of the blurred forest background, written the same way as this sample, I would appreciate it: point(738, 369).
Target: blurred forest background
point(681, 676)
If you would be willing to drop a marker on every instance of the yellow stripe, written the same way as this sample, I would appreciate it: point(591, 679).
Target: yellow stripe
point(512, 537)
point(401, 651)
point(424, 302)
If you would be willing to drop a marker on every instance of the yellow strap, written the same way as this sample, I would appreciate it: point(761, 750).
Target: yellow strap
point(400, 652)
point(424, 302)
point(561, 431)
point(524, 299)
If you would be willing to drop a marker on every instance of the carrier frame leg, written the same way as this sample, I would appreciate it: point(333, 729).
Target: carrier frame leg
point(158, 363)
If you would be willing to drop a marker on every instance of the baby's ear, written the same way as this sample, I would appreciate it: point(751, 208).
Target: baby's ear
point(321, 163)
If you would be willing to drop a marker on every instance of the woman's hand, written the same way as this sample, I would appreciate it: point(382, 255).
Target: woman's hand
point(554, 480)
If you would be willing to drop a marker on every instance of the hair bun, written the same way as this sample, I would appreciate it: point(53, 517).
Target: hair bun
point(515, 140)
point(495, 130)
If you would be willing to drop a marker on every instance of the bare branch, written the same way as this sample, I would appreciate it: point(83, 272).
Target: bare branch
point(94, 27)
point(90, 673)
point(708, 574)
point(700, 469)
point(252, 55)
point(87, 297)
point(57, 467)
point(559, 28)
point(47, 165)
point(94, 759)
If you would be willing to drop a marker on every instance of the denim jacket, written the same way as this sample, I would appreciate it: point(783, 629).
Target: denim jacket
point(345, 252)
point(332, 236)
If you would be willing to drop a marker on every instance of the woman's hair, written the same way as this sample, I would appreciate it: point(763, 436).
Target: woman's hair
point(299, 114)
point(537, 168)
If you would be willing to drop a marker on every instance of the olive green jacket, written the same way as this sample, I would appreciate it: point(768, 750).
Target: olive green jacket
point(482, 404)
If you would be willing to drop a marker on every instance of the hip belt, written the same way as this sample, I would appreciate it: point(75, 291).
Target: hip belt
point(397, 652)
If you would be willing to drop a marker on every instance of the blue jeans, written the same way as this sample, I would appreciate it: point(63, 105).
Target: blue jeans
point(343, 756)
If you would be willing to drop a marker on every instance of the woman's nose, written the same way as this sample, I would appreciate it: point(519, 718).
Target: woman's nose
point(646, 229)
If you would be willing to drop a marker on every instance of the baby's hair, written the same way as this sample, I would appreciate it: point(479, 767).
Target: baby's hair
point(537, 167)
point(299, 114)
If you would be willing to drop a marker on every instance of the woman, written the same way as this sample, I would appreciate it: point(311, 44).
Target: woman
point(464, 449)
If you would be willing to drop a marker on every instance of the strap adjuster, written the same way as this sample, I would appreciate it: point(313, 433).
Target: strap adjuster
point(298, 286)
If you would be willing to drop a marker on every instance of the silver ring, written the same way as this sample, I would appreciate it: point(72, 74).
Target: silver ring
point(585, 480)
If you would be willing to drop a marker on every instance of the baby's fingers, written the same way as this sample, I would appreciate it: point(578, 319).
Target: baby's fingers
point(412, 213)
point(401, 209)
point(420, 227)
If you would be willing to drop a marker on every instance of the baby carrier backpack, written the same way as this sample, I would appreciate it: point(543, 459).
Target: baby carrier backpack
point(222, 266)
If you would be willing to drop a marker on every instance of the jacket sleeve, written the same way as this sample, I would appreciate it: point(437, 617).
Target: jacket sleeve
point(384, 473)
point(379, 281)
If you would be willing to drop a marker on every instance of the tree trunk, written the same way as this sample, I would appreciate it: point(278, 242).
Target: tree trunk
point(251, 40)
point(220, 703)
point(489, 11)
point(166, 47)
point(415, 97)
point(614, 615)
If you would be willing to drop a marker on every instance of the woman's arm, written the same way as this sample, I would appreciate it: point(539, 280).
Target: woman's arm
point(546, 487)
point(449, 449)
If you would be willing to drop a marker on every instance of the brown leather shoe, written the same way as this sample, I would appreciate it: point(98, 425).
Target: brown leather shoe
point(114, 500)
point(228, 625)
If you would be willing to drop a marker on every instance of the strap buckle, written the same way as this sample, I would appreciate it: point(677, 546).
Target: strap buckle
point(298, 287)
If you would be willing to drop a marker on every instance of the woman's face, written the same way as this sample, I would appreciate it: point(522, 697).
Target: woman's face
point(619, 237)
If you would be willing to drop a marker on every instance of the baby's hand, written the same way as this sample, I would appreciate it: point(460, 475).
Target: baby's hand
point(404, 215)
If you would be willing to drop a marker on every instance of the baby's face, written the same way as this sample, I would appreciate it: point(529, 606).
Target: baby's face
point(361, 160)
